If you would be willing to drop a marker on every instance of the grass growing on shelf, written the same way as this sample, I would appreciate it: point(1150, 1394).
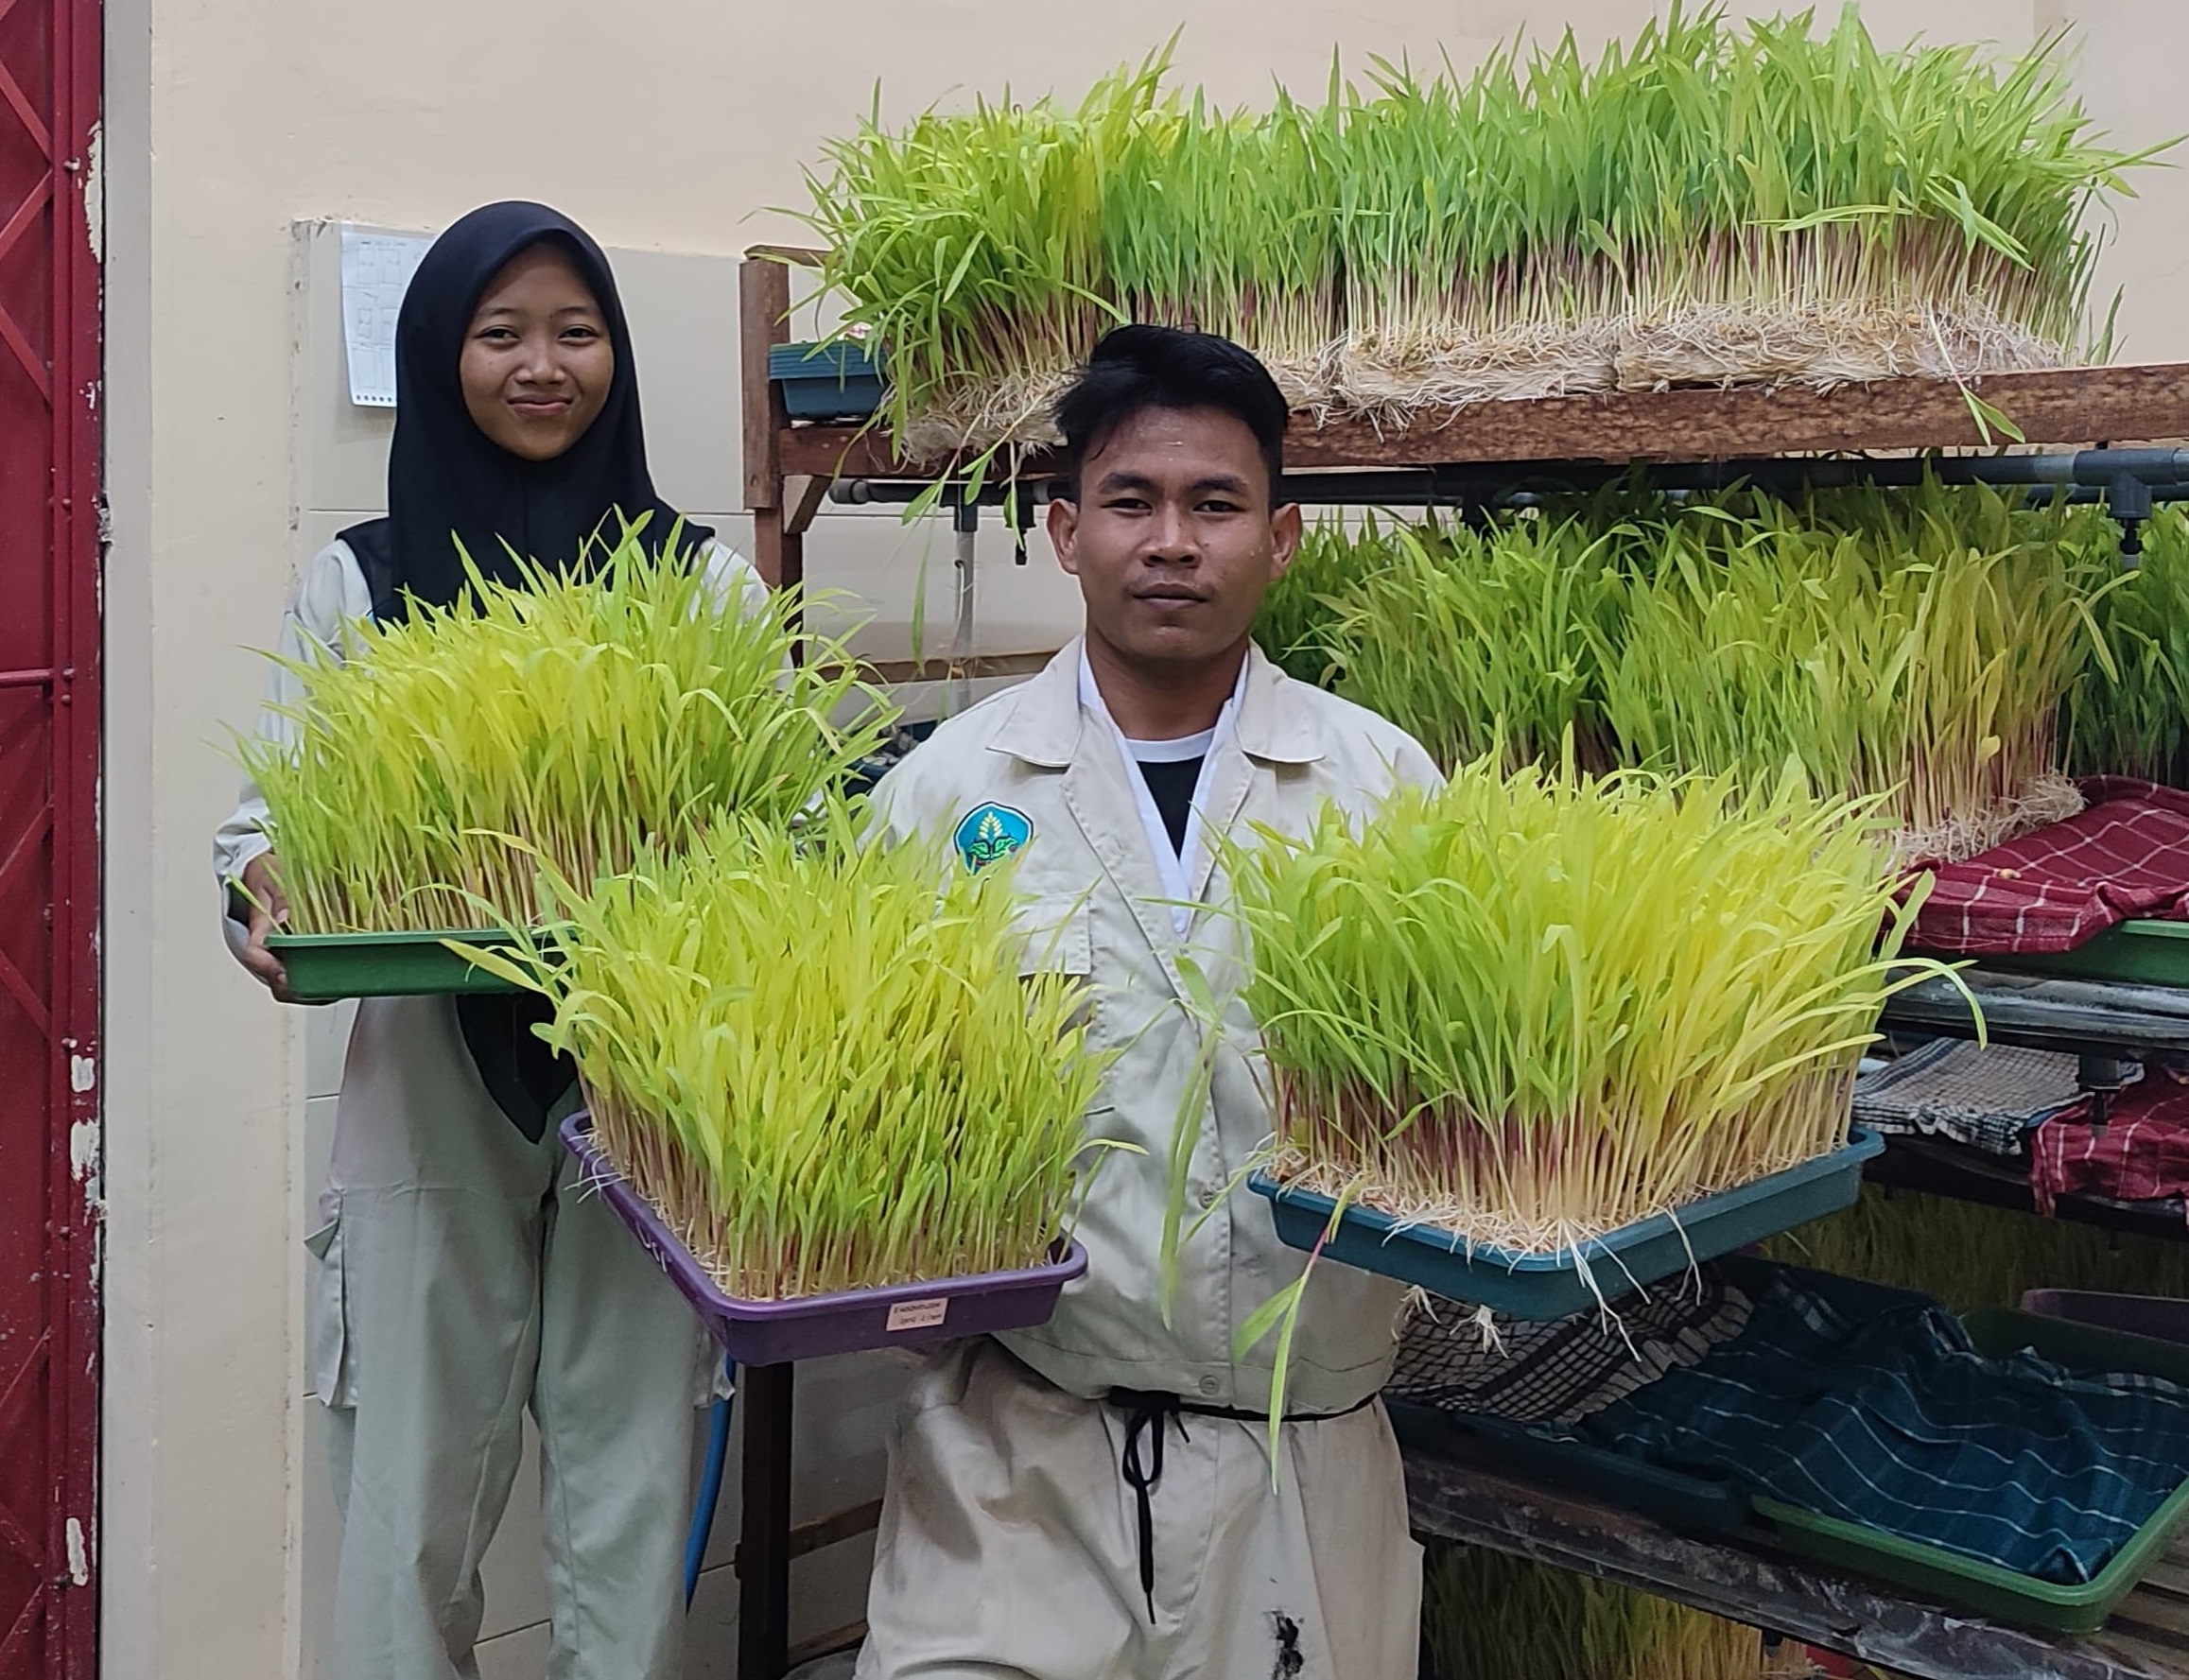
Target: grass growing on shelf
point(1533, 1007)
point(1299, 614)
point(1710, 202)
point(1970, 1256)
point(574, 720)
point(1482, 644)
point(1922, 650)
point(2132, 719)
point(1489, 1616)
point(1914, 644)
point(823, 1068)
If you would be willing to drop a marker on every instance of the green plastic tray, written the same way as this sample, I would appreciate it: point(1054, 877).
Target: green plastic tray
point(323, 968)
point(1982, 1587)
point(2146, 953)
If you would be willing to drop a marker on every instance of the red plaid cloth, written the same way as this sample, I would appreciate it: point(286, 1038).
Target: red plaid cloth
point(2142, 1156)
point(2127, 855)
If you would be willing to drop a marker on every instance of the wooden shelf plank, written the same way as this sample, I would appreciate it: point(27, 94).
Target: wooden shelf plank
point(855, 452)
point(972, 668)
point(2072, 405)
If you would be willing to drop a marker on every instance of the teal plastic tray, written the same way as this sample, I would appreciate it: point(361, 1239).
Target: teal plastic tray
point(837, 380)
point(2142, 953)
point(1570, 1280)
point(325, 968)
point(1984, 1587)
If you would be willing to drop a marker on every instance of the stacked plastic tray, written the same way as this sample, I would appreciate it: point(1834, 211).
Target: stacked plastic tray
point(1695, 1504)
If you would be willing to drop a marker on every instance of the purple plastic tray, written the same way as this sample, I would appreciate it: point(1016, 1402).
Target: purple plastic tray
point(2159, 1316)
point(812, 1326)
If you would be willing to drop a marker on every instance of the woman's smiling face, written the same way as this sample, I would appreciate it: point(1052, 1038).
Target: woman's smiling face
point(537, 361)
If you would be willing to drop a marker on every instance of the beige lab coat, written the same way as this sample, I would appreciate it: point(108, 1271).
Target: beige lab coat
point(1034, 1572)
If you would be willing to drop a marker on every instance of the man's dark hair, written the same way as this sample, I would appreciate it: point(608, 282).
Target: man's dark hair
point(1138, 368)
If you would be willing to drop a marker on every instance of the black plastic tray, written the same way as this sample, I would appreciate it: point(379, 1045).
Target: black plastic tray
point(1690, 1503)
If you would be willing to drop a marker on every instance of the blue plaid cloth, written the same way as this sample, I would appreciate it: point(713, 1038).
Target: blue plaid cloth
point(1871, 1406)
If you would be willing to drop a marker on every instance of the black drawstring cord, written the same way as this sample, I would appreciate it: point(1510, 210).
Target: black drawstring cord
point(1145, 1411)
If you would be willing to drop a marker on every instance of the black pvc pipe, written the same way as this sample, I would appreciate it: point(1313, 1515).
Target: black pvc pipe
point(2165, 472)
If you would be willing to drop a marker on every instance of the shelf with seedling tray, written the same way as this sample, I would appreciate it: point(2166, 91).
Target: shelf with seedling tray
point(1452, 455)
point(1984, 1587)
point(2044, 1011)
point(1461, 1496)
point(1466, 458)
point(1570, 1280)
point(1936, 1166)
point(778, 1332)
point(1508, 438)
point(1916, 1608)
point(2100, 1018)
point(328, 967)
point(1689, 1504)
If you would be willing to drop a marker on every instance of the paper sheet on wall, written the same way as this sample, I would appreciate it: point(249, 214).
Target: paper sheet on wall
point(376, 269)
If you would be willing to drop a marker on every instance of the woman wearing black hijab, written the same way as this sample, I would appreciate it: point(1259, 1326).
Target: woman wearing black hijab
point(462, 1276)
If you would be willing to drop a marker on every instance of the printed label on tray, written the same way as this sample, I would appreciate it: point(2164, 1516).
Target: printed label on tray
point(917, 1315)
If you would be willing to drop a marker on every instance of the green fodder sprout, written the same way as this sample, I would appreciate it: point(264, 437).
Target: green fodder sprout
point(822, 1067)
point(1484, 643)
point(1532, 1008)
point(1710, 202)
point(419, 782)
point(1489, 1616)
point(2131, 717)
point(1912, 644)
point(1297, 624)
point(1970, 1256)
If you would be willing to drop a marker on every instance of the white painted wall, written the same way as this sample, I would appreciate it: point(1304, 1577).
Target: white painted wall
point(665, 126)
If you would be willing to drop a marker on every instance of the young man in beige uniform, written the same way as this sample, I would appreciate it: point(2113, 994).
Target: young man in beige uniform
point(1094, 1499)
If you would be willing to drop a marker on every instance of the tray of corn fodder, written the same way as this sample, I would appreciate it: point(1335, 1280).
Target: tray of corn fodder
point(849, 1320)
point(1540, 1039)
point(818, 1094)
point(1349, 243)
point(2123, 719)
point(418, 788)
point(324, 967)
point(1478, 1064)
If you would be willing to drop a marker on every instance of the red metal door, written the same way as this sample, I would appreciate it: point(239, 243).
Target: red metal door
point(49, 747)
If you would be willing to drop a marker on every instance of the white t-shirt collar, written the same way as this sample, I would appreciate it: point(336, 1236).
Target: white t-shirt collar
point(1177, 867)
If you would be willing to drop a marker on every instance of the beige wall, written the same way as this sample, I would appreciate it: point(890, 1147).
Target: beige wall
point(663, 125)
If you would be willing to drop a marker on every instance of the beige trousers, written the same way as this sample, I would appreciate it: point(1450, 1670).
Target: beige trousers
point(1009, 1543)
point(462, 1277)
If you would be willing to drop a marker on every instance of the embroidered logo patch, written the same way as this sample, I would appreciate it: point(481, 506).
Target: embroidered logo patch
point(991, 833)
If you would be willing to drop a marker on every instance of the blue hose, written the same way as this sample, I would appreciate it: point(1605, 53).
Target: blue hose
point(703, 1516)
